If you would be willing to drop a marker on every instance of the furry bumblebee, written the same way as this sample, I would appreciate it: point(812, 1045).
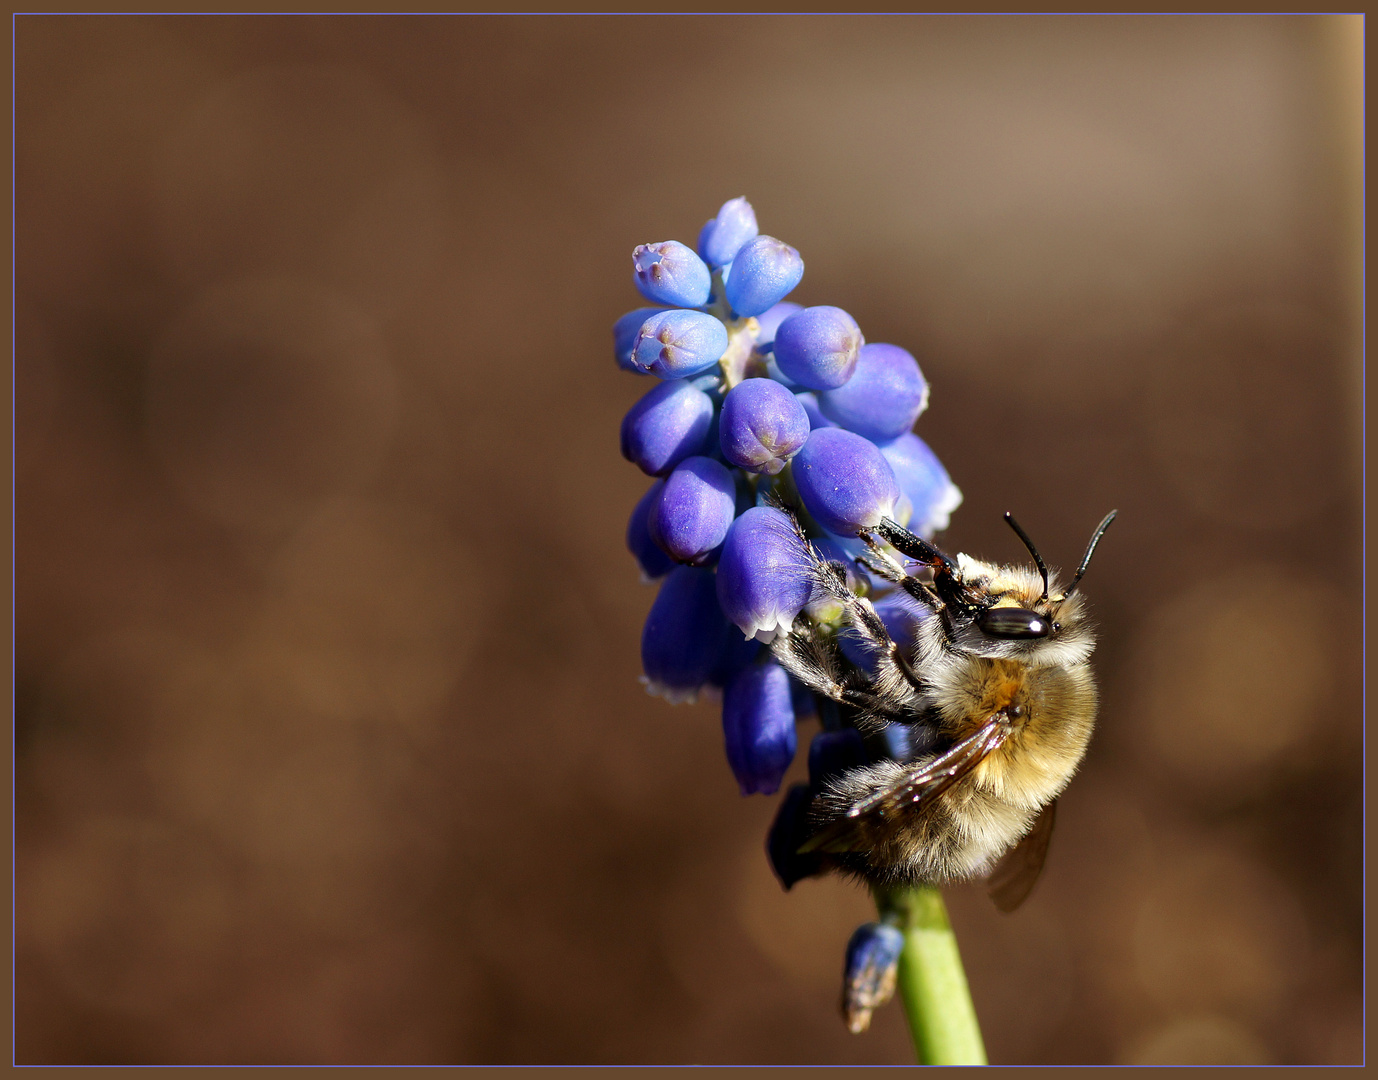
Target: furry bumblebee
point(998, 698)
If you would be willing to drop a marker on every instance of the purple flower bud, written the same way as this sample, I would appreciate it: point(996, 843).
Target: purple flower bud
point(787, 834)
point(809, 400)
point(624, 337)
point(923, 479)
point(685, 634)
point(770, 321)
point(762, 426)
point(654, 563)
point(873, 958)
point(884, 396)
point(693, 514)
point(831, 753)
point(758, 726)
point(672, 274)
point(818, 347)
point(723, 236)
point(736, 655)
point(764, 573)
point(669, 423)
point(763, 273)
point(677, 343)
point(845, 481)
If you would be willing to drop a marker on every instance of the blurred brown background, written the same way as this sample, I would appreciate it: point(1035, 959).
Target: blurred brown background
point(330, 742)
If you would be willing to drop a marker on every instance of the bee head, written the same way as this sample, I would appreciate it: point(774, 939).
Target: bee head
point(1013, 623)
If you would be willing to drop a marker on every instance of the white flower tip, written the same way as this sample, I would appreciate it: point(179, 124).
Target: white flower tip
point(675, 695)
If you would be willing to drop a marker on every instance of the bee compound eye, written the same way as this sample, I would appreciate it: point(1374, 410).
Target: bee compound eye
point(1013, 623)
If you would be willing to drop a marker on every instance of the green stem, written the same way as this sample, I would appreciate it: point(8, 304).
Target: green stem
point(932, 983)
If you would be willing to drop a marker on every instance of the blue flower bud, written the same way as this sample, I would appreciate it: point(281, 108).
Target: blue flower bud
point(884, 396)
point(763, 273)
point(723, 236)
point(923, 479)
point(809, 400)
point(677, 343)
point(873, 958)
point(787, 834)
point(670, 273)
point(735, 656)
point(769, 322)
point(762, 426)
point(654, 563)
point(691, 517)
point(670, 423)
point(833, 753)
point(758, 726)
point(624, 337)
point(818, 347)
point(685, 634)
point(905, 742)
point(764, 574)
point(845, 481)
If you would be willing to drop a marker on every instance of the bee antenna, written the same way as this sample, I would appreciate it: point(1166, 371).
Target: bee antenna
point(1090, 550)
point(1037, 558)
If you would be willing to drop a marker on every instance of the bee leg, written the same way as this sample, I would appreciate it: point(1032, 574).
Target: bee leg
point(894, 668)
point(916, 547)
point(812, 662)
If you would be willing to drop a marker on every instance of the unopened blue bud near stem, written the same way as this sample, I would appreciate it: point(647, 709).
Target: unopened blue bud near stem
point(758, 727)
point(809, 400)
point(678, 343)
point(769, 322)
point(787, 834)
point(884, 396)
point(763, 273)
point(723, 236)
point(845, 481)
point(654, 563)
point(831, 753)
point(684, 636)
point(691, 518)
point(737, 653)
point(764, 577)
point(767, 325)
point(762, 426)
point(868, 982)
point(921, 476)
point(671, 422)
point(818, 347)
point(624, 333)
point(671, 273)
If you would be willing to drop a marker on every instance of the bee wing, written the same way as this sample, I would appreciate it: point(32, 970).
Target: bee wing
point(1017, 871)
point(911, 792)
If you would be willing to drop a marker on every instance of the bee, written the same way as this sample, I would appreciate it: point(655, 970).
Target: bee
point(996, 694)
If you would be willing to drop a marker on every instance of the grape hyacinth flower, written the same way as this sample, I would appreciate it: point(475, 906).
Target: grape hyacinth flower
point(677, 343)
point(818, 347)
point(695, 509)
point(723, 236)
point(776, 429)
point(671, 274)
point(763, 426)
point(670, 423)
point(884, 396)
